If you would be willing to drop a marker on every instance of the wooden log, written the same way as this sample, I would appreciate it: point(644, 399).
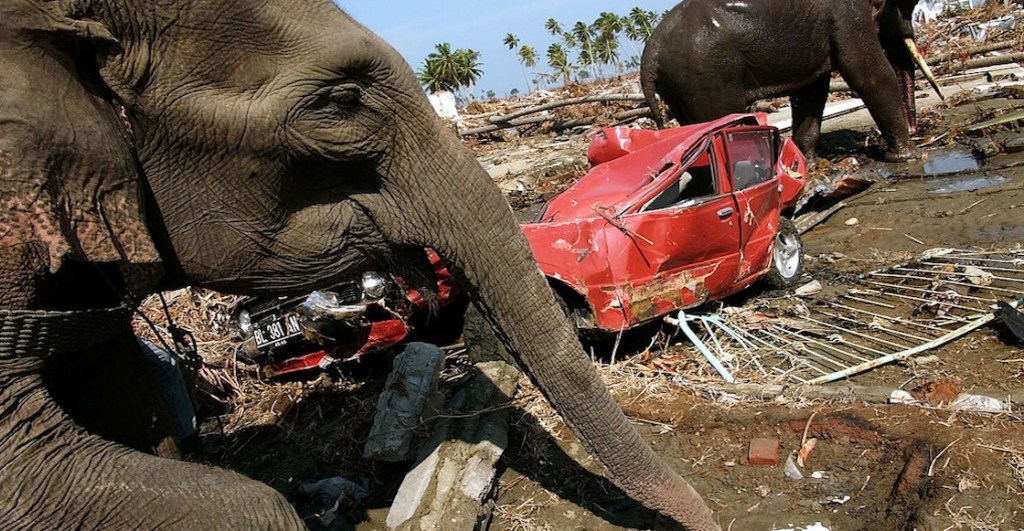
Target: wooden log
point(557, 126)
point(950, 63)
point(411, 382)
point(455, 471)
point(969, 52)
point(983, 62)
point(598, 98)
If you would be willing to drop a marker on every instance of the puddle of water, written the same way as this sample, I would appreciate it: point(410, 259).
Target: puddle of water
point(953, 160)
point(937, 162)
point(952, 185)
point(1002, 232)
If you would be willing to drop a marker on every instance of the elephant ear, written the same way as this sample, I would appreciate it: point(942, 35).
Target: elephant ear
point(70, 188)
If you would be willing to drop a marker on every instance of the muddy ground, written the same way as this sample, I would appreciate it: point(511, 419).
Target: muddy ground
point(875, 466)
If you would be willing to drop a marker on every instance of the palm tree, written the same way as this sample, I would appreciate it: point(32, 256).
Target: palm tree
point(527, 58)
point(511, 41)
point(553, 27)
point(559, 61)
point(530, 55)
point(584, 35)
point(447, 69)
point(468, 70)
point(643, 23)
point(438, 72)
point(606, 47)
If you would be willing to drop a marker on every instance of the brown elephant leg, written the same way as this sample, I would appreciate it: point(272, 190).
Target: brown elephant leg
point(115, 395)
point(808, 105)
point(55, 475)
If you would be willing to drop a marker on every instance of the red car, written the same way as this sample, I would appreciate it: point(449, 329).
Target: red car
point(342, 323)
point(668, 220)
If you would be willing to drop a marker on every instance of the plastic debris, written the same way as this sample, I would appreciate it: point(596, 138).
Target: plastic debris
point(899, 396)
point(790, 469)
point(852, 222)
point(811, 288)
point(978, 277)
point(836, 500)
point(984, 404)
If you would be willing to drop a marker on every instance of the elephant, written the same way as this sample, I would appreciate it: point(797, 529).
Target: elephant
point(253, 147)
point(710, 58)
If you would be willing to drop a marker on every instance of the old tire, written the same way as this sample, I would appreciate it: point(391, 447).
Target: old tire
point(787, 257)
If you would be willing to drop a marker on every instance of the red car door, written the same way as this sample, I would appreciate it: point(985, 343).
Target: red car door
point(679, 246)
point(751, 155)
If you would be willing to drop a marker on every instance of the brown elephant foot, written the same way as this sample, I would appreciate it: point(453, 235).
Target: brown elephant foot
point(900, 154)
point(55, 475)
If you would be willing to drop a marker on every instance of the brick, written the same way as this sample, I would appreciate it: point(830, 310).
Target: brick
point(764, 452)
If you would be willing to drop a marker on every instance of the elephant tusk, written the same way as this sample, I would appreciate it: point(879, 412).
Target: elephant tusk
point(912, 48)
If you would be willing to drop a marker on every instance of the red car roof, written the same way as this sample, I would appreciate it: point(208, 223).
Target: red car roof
point(612, 183)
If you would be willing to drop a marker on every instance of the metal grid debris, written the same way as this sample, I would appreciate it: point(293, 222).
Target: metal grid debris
point(872, 320)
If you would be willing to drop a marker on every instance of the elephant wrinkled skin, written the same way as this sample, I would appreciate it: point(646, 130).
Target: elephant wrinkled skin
point(254, 147)
point(710, 58)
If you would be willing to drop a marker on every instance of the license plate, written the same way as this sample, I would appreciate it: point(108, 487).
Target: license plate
point(276, 331)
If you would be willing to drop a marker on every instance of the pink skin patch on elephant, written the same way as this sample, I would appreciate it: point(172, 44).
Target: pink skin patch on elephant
point(909, 104)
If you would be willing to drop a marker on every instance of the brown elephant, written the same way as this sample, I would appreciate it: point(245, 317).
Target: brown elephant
point(254, 147)
point(709, 58)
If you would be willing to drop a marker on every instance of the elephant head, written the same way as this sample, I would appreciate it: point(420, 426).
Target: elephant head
point(253, 147)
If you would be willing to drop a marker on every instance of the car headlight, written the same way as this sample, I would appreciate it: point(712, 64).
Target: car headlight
point(244, 323)
point(374, 285)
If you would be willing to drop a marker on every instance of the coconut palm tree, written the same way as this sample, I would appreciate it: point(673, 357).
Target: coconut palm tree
point(553, 27)
point(438, 72)
point(559, 61)
point(643, 23)
point(606, 50)
point(468, 70)
point(447, 69)
point(527, 55)
point(584, 36)
point(511, 41)
point(608, 26)
point(527, 58)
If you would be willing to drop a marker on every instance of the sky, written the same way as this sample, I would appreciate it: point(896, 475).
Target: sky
point(413, 27)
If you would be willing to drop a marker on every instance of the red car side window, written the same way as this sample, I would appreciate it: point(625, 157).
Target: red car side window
point(751, 157)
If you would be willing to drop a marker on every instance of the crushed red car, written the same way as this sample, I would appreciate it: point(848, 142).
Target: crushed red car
point(342, 323)
point(671, 219)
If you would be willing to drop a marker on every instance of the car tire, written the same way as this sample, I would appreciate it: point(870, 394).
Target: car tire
point(787, 260)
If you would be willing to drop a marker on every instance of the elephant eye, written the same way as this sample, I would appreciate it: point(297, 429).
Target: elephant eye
point(347, 94)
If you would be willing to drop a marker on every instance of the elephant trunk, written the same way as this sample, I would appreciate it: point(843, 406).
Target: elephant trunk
point(483, 245)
